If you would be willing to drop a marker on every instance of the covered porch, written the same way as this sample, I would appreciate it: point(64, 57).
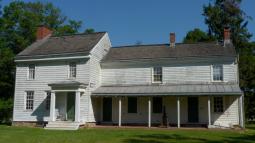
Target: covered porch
point(168, 106)
point(65, 100)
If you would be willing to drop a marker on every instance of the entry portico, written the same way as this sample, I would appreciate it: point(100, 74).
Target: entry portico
point(70, 91)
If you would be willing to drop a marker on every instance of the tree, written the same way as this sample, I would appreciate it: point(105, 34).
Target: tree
point(227, 13)
point(197, 35)
point(18, 24)
point(89, 31)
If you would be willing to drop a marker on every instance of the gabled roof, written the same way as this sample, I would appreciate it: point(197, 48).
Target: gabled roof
point(164, 51)
point(69, 44)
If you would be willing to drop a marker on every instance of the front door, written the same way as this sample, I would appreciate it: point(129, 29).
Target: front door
point(193, 109)
point(70, 108)
point(107, 109)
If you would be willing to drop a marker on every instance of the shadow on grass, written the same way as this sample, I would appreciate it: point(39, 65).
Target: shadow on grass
point(163, 138)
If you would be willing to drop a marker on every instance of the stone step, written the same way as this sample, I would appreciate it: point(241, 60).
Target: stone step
point(62, 126)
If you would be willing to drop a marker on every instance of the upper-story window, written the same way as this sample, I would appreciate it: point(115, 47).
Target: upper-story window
point(157, 74)
point(72, 70)
point(217, 72)
point(31, 72)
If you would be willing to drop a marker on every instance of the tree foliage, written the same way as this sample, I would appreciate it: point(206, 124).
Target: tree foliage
point(18, 24)
point(197, 35)
point(227, 13)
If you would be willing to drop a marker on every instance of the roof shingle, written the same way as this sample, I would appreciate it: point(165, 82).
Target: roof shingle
point(164, 51)
point(78, 43)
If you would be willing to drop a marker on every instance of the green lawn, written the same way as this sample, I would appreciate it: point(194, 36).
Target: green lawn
point(10, 134)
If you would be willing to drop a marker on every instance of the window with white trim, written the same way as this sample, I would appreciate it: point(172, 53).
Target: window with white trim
point(72, 70)
point(31, 72)
point(217, 72)
point(218, 104)
point(30, 100)
point(157, 74)
point(48, 96)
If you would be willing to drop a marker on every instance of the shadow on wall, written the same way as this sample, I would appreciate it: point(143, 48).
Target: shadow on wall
point(40, 112)
point(228, 101)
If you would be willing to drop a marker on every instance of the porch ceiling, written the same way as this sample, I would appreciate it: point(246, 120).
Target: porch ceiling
point(168, 90)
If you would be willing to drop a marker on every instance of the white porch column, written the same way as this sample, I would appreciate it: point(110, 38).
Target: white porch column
point(149, 112)
point(52, 106)
point(241, 115)
point(119, 111)
point(209, 111)
point(77, 106)
point(178, 112)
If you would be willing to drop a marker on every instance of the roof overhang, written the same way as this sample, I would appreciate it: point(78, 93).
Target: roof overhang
point(169, 90)
point(51, 57)
point(67, 85)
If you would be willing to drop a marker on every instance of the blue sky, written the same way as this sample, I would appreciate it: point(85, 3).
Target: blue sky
point(148, 21)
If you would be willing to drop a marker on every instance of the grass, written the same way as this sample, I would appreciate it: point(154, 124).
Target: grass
point(9, 134)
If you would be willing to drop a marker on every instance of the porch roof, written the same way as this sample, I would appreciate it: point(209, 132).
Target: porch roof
point(168, 90)
point(68, 83)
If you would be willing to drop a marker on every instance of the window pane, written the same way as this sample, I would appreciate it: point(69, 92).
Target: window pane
point(217, 72)
point(47, 106)
point(31, 72)
point(157, 74)
point(72, 68)
point(157, 105)
point(30, 100)
point(132, 104)
point(218, 104)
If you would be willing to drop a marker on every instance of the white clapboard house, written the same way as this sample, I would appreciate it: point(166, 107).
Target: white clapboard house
point(68, 81)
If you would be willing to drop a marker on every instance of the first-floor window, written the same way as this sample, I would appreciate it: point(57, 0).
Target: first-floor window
point(157, 104)
point(47, 106)
point(132, 104)
point(30, 100)
point(218, 104)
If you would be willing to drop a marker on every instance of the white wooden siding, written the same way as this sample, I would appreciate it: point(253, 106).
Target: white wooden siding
point(45, 73)
point(171, 74)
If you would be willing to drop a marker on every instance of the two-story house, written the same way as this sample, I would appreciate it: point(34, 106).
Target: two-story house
point(74, 80)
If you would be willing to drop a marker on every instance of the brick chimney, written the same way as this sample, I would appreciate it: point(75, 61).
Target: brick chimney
point(42, 32)
point(227, 33)
point(172, 40)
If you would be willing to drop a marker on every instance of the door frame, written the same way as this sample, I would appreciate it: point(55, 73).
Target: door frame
point(102, 109)
point(197, 98)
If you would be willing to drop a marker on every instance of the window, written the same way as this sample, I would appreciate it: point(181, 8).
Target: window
point(47, 106)
point(31, 72)
point(132, 105)
point(218, 104)
point(157, 74)
point(217, 73)
point(157, 105)
point(30, 100)
point(72, 70)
